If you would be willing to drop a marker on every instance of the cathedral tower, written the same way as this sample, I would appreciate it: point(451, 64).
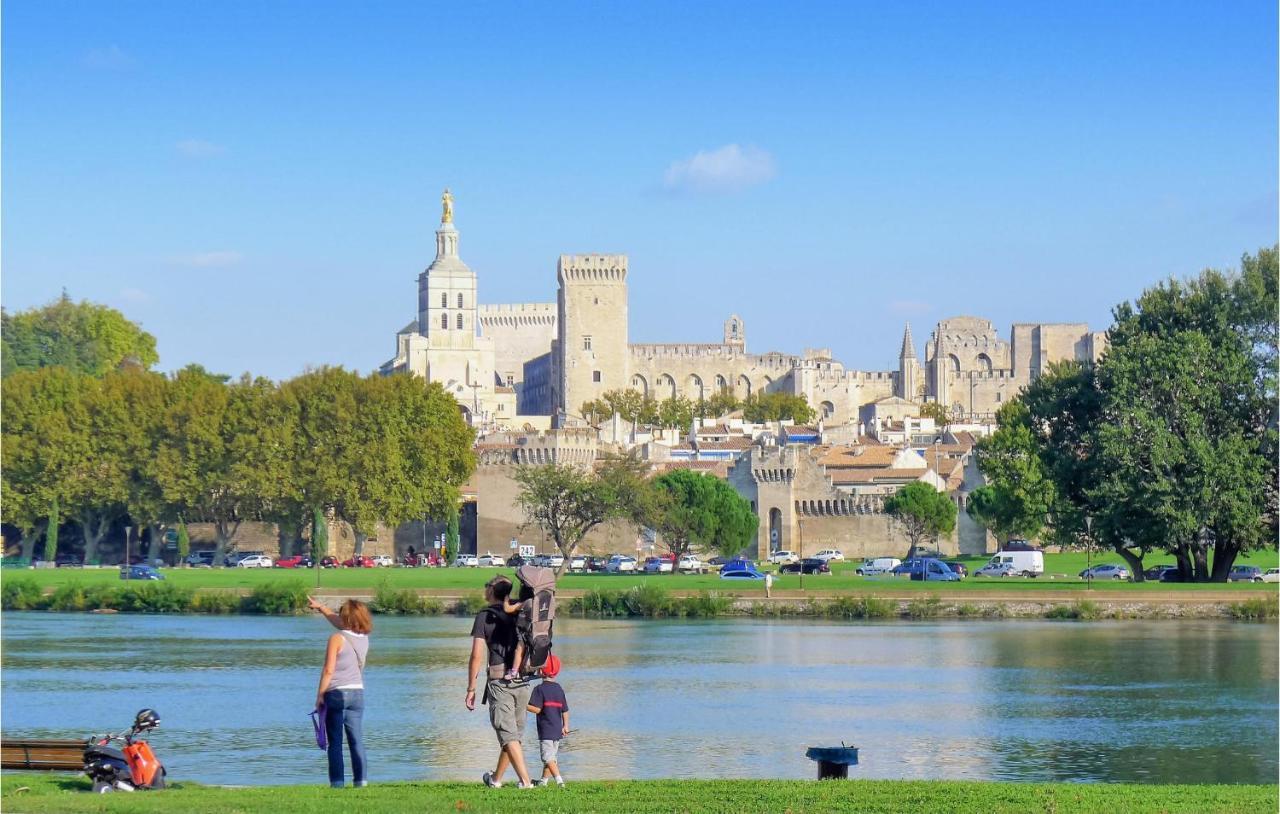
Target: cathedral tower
point(592, 338)
point(447, 290)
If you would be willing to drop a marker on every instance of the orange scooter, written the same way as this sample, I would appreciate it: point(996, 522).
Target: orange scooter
point(130, 767)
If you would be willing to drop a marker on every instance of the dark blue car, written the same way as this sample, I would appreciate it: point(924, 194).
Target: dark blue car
point(928, 569)
point(139, 572)
point(740, 569)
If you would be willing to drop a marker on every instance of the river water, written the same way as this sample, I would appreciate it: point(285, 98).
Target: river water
point(1158, 702)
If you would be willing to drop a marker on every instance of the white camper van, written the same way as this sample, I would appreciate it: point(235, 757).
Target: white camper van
point(1014, 564)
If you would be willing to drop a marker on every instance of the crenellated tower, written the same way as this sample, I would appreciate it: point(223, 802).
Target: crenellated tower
point(591, 346)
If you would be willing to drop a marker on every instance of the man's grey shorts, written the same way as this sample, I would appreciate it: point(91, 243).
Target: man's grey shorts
point(508, 709)
point(548, 750)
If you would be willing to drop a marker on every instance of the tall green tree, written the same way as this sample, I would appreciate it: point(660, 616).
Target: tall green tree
point(568, 502)
point(923, 513)
point(703, 511)
point(51, 533)
point(1020, 495)
point(81, 336)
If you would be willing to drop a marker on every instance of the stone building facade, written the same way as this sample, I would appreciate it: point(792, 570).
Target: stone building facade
point(506, 363)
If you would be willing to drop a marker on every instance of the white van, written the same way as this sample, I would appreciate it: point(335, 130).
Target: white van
point(878, 565)
point(1014, 563)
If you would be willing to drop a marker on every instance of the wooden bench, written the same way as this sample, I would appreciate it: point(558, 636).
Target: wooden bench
point(46, 755)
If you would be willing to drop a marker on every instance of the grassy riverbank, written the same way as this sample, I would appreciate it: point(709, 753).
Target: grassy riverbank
point(56, 794)
point(1061, 571)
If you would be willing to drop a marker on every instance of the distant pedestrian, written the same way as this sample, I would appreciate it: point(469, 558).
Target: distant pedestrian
point(549, 703)
point(768, 585)
point(341, 690)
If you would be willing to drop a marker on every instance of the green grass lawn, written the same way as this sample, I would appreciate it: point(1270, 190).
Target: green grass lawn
point(51, 793)
point(465, 580)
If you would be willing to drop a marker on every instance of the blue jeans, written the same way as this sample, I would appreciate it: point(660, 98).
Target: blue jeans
point(344, 711)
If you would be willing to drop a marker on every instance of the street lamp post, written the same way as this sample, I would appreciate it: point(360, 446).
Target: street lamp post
point(127, 529)
point(1088, 547)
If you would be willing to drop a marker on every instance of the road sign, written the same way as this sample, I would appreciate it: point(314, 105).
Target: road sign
point(514, 544)
point(527, 551)
point(435, 544)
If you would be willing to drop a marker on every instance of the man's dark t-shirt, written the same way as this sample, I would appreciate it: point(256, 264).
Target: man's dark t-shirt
point(549, 695)
point(498, 629)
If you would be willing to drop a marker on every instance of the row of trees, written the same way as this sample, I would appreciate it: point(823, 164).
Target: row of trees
point(688, 509)
point(163, 451)
point(1168, 444)
point(678, 411)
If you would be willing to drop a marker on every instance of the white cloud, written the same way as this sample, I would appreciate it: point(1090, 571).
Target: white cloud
point(198, 148)
point(206, 260)
point(910, 307)
point(111, 58)
point(725, 169)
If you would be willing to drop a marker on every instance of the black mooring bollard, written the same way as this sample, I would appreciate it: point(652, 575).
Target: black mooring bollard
point(833, 761)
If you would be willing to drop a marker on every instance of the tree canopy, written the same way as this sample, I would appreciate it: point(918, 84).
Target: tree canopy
point(703, 511)
point(82, 337)
point(923, 512)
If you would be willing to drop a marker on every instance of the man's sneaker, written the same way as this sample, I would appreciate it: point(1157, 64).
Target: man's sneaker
point(541, 781)
point(526, 786)
point(487, 777)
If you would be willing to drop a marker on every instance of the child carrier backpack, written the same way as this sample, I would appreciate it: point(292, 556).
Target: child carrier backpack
point(538, 593)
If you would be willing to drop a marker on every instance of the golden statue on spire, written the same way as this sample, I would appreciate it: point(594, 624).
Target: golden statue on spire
point(447, 200)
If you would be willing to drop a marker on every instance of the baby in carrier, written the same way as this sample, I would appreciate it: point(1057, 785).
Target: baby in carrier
point(535, 610)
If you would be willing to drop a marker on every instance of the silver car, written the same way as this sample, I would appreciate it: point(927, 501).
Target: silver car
point(1106, 571)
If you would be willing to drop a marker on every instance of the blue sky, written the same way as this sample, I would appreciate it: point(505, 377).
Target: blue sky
point(258, 183)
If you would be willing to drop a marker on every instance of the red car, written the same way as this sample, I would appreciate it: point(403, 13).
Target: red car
point(358, 562)
point(296, 561)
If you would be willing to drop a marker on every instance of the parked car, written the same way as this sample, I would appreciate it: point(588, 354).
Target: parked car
point(1245, 573)
point(690, 564)
point(809, 565)
point(1271, 575)
point(1106, 571)
point(933, 570)
point(830, 555)
point(740, 569)
point(620, 564)
point(296, 561)
point(998, 569)
point(255, 561)
point(905, 567)
point(329, 562)
point(488, 560)
point(358, 562)
point(555, 560)
point(718, 562)
point(200, 559)
point(233, 559)
point(597, 564)
point(68, 561)
point(1156, 573)
point(1019, 545)
point(383, 561)
point(960, 568)
point(783, 557)
point(877, 565)
point(515, 561)
point(139, 572)
point(658, 565)
point(578, 563)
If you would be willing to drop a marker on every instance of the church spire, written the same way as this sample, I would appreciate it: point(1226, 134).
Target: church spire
point(908, 347)
point(447, 234)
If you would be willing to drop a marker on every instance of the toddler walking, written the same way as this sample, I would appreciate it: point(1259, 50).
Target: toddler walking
point(549, 703)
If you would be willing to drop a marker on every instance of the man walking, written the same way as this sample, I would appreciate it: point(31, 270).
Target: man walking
point(493, 644)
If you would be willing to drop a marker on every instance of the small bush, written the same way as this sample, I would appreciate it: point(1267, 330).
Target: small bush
point(470, 605)
point(1083, 609)
point(706, 605)
point(75, 597)
point(21, 594)
point(967, 610)
point(215, 602)
point(154, 597)
point(599, 603)
point(277, 599)
point(404, 601)
point(926, 608)
point(648, 600)
point(854, 607)
point(1255, 610)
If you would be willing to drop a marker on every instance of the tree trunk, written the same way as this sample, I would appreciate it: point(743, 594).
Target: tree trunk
point(1134, 561)
point(29, 537)
point(225, 531)
point(153, 544)
point(1201, 559)
point(285, 539)
point(93, 527)
point(1224, 556)
point(358, 549)
point(567, 553)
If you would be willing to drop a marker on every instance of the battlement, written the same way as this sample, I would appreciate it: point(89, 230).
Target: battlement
point(515, 314)
point(592, 268)
point(687, 349)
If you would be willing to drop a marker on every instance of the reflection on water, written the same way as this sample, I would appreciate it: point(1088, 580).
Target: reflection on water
point(1189, 702)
